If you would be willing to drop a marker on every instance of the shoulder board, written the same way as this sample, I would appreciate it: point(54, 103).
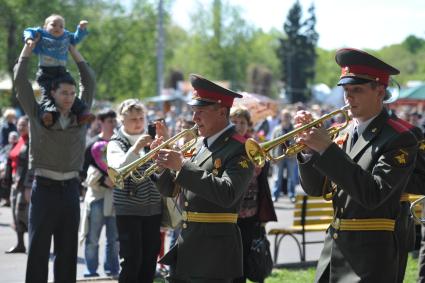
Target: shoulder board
point(405, 123)
point(397, 126)
point(239, 138)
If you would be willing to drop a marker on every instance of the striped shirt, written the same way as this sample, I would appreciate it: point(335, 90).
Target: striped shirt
point(141, 199)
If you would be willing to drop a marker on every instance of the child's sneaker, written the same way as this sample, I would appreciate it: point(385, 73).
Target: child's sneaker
point(47, 119)
point(86, 118)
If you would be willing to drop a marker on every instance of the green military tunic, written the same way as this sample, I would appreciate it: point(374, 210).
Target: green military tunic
point(406, 228)
point(366, 181)
point(213, 181)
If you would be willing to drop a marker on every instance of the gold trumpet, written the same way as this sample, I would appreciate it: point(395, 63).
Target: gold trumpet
point(417, 219)
point(118, 175)
point(259, 153)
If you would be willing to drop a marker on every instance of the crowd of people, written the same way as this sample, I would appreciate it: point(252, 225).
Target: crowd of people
point(225, 200)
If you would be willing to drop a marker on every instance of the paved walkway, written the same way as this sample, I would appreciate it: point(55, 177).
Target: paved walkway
point(12, 266)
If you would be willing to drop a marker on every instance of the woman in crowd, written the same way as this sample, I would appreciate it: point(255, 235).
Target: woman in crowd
point(8, 125)
point(21, 180)
point(5, 183)
point(257, 206)
point(138, 206)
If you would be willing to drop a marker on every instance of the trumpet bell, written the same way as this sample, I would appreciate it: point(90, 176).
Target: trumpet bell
point(413, 208)
point(392, 92)
point(255, 152)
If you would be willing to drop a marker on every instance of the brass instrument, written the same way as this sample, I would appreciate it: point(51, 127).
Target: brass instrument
point(413, 205)
point(118, 175)
point(259, 153)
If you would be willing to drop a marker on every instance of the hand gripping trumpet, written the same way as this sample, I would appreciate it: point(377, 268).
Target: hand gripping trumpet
point(118, 175)
point(259, 153)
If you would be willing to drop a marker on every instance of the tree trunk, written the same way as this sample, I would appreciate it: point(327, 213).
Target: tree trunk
point(12, 54)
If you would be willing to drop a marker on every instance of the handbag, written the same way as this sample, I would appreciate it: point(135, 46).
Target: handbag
point(171, 214)
point(259, 263)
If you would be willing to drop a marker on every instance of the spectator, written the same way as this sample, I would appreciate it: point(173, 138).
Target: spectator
point(8, 125)
point(138, 206)
point(98, 208)
point(256, 206)
point(20, 178)
point(5, 183)
point(56, 155)
point(289, 163)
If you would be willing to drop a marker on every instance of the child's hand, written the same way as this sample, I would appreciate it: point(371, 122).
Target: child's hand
point(32, 42)
point(83, 24)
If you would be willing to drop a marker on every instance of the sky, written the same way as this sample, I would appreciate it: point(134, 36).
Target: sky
point(370, 24)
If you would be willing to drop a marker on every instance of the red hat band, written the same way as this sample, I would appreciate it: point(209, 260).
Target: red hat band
point(365, 72)
point(210, 96)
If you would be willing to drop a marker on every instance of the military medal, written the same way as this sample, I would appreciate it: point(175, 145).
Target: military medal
point(341, 140)
point(217, 166)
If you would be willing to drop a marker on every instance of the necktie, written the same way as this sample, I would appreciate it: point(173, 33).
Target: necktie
point(355, 136)
point(205, 142)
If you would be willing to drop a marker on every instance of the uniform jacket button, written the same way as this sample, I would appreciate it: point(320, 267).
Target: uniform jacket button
point(335, 236)
point(184, 225)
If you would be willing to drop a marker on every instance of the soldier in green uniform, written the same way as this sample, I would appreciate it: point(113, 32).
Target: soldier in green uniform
point(364, 171)
point(213, 181)
point(405, 225)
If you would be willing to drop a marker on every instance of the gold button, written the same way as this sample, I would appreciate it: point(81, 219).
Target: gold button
point(186, 204)
point(335, 236)
point(184, 225)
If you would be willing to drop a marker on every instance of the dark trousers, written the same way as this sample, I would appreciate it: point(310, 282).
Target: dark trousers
point(405, 231)
point(250, 230)
point(45, 76)
point(139, 247)
point(54, 211)
point(421, 260)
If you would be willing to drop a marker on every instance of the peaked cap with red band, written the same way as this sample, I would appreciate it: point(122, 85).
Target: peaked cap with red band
point(207, 93)
point(359, 67)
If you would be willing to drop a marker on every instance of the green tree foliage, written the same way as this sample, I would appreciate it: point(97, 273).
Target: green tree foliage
point(327, 71)
point(413, 43)
point(121, 49)
point(221, 45)
point(217, 44)
point(297, 53)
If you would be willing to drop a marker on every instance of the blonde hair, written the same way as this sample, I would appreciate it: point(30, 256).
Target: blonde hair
point(52, 17)
point(129, 105)
point(9, 112)
point(241, 112)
